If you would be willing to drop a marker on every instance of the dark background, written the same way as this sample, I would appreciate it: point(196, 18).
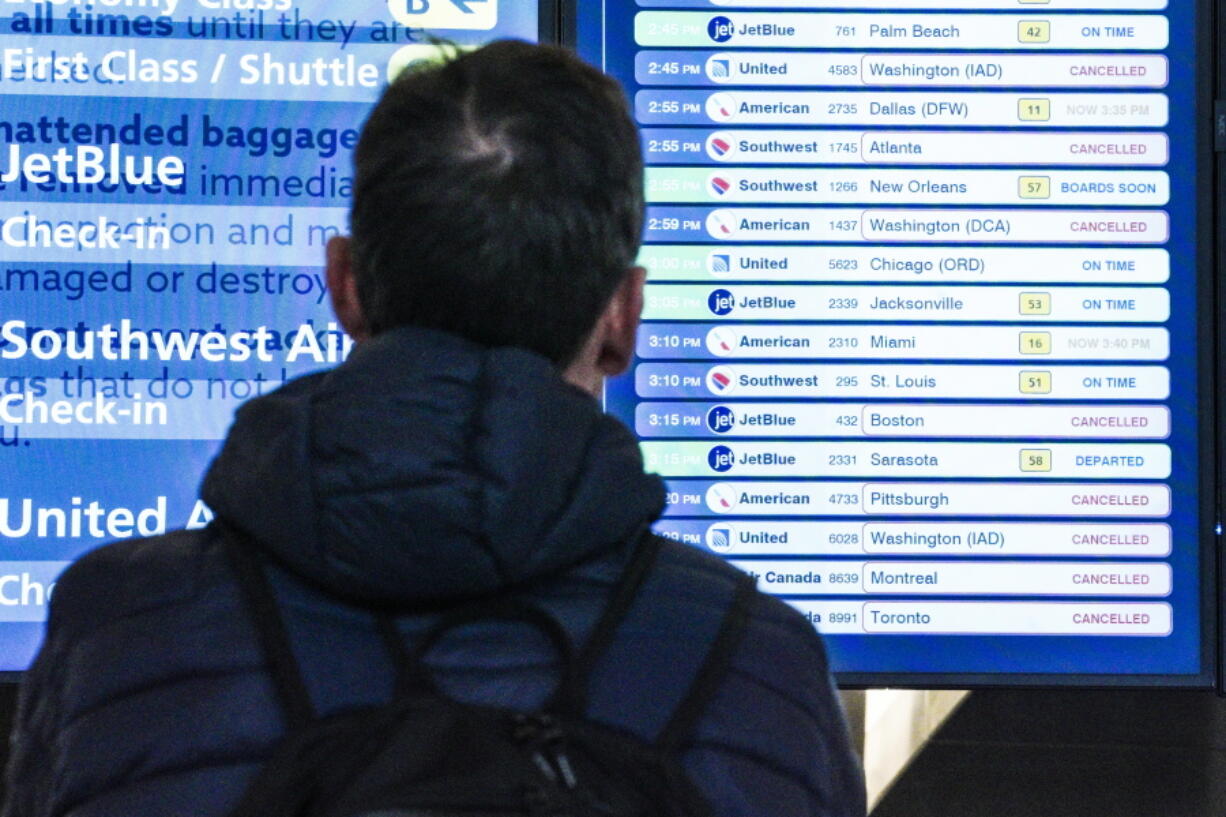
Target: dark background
point(1071, 753)
point(1039, 753)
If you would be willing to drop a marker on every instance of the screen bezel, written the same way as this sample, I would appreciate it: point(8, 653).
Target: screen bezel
point(550, 28)
point(1212, 392)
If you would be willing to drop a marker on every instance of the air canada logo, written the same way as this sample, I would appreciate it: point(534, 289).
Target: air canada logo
point(720, 29)
point(721, 458)
point(721, 419)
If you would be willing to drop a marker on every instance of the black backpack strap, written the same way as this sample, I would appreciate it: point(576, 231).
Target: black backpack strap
point(410, 674)
point(571, 695)
point(680, 728)
point(261, 606)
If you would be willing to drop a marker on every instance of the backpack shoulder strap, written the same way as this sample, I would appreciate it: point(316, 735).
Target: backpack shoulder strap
point(261, 607)
point(680, 728)
point(571, 697)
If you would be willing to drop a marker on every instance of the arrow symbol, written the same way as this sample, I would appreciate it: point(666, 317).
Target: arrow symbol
point(462, 5)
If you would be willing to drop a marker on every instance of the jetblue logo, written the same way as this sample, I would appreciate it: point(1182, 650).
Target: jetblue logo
point(721, 458)
point(721, 419)
point(720, 29)
point(720, 302)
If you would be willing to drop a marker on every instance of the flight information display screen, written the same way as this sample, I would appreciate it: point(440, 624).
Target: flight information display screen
point(170, 171)
point(924, 334)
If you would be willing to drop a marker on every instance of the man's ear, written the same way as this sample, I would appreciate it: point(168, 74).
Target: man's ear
point(619, 325)
point(343, 289)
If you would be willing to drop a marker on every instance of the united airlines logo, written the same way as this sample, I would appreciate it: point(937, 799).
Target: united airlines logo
point(719, 537)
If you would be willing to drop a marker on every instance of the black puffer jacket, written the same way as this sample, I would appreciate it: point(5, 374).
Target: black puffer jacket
point(422, 470)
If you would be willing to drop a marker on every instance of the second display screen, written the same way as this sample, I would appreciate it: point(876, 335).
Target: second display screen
point(920, 346)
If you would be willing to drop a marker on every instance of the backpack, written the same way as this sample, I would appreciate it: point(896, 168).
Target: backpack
point(424, 754)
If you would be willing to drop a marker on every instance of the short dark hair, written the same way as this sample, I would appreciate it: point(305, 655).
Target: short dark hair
point(499, 196)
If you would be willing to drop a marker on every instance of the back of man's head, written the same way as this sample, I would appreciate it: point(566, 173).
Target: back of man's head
point(499, 196)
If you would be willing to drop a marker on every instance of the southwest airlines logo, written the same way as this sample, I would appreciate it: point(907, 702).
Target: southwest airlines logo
point(720, 185)
point(721, 380)
point(718, 145)
point(480, 15)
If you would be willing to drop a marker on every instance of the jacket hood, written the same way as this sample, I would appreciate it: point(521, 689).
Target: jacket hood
point(427, 468)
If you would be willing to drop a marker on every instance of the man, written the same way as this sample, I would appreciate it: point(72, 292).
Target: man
point(459, 453)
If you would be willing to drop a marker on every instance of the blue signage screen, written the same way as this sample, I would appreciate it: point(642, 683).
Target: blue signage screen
point(170, 171)
point(924, 335)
